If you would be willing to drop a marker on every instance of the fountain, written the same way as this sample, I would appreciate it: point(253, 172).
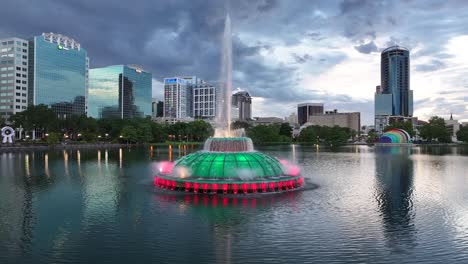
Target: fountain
point(228, 163)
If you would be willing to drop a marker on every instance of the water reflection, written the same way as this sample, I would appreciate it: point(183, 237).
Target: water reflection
point(394, 195)
point(227, 216)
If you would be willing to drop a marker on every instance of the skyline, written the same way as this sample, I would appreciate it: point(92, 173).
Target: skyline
point(331, 51)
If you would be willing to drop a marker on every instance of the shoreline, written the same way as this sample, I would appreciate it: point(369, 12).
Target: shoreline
point(19, 148)
point(44, 146)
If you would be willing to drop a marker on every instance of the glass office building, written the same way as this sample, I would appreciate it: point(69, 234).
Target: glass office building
point(58, 74)
point(119, 91)
point(395, 79)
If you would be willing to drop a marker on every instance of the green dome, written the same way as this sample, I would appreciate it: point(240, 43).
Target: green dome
point(230, 165)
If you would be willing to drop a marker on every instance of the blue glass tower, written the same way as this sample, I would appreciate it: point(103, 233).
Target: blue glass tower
point(119, 91)
point(58, 74)
point(395, 80)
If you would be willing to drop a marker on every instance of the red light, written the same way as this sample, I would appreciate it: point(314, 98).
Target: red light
point(214, 187)
point(263, 186)
point(294, 170)
point(235, 188)
point(272, 186)
point(187, 186)
point(244, 187)
point(253, 187)
point(165, 167)
point(205, 187)
point(280, 186)
point(225, 188)
point(300, 181)
point(173, 185)
point(196, 186)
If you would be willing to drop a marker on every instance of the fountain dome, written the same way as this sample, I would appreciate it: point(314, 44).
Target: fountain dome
point(229, 165)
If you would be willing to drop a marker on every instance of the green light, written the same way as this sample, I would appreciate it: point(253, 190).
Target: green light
point(231, 165)
point(60, 47)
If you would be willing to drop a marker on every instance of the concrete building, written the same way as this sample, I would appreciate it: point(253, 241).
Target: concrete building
point(334, 118)
point(242, 104)
point(177, 98)
point(120, 91)
point(204, 101)
point(307, 109)
point(58, 74)
point(393, 97)
point(14, 76)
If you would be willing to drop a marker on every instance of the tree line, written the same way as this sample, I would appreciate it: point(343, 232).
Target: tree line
point(44, 123)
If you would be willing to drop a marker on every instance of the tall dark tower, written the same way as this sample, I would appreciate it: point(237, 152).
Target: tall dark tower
point(395, 79)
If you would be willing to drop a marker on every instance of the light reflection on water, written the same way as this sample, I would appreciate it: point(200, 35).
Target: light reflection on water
point(387, 205)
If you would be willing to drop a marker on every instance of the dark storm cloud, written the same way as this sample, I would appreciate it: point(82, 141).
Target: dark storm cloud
point(367, 48)
point(182, 37)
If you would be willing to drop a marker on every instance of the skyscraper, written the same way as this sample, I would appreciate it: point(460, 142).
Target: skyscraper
point(204, 101)
point(306, 109)
point(119, 91)
point(58, 74)
point(177, 98)
point(395, 79)
point(13, 76)
point(393, 97)
point(242, 103)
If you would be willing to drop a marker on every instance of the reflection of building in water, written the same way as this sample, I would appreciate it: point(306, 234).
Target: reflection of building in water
point(394, 173)
point(16, 221)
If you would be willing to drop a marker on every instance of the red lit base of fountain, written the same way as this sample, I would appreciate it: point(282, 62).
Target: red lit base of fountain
point(230, 188)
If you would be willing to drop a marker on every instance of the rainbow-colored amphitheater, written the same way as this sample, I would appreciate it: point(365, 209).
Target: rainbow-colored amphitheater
point(395, 136)
point(228, 166)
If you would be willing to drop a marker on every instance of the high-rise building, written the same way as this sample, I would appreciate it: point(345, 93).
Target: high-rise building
point(204, 101)
point(177, 98)
point(157, 107)
point(58, 74)
point(242, 103)
point(306, 109)
point(13, 76)
point(119, 91)
point(393, 97)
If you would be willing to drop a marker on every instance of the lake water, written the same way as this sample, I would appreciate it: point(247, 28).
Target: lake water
point(360, 204)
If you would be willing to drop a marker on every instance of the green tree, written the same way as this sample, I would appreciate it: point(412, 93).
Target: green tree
point(36, 117)
point(53, 138)
point(372, 136)
point(435, 129)
point(262, 134)
point(285, 130)
point(309, 134)
point(129, 133)
point(200, 130)
point(159, 132)
point(462, 134)
point(144, 133)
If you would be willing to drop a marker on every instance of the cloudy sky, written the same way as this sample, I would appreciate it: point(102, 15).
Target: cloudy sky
point(285, 51)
